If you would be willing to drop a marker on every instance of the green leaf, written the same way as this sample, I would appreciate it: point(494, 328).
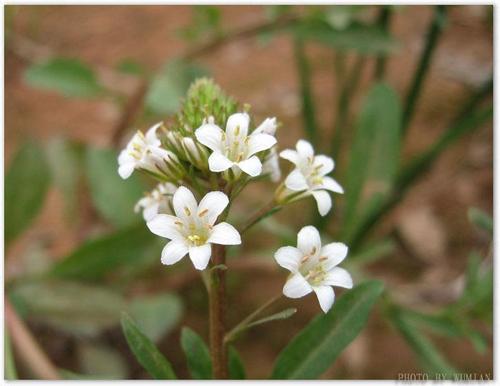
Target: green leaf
point(197, 354)
point(98, 257)
point(170, 85)
point(317, 346)
point(77, 308)
point(101, 362)
point(285, 314)
point(236, 368)
point(377, 139)
point(430, 358)
point(64, 159)
point(481, 219)
point(26, 184)
point(156, 315)
point(145, 351)
point(360, 38)
point(113, 197)
point(9, 363)
point(130, 67)
point(70, 77)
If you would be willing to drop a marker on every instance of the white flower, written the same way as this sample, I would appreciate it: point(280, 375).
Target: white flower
point(234, 148)
point(314, 268)
point(272, 165)
point(145, 152)
point(310, 173)
point(157, 201)
point(192, 229)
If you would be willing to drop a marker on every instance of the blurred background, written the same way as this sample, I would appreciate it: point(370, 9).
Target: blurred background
point(406, 89)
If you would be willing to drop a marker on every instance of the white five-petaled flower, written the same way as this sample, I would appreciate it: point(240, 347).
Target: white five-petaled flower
point(310, 173)
point(234, 148)
point(313, 267)
point(192, 229)
point(143, 152)
point(157, 201)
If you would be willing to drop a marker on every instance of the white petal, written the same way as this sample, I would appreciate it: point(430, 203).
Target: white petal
point(260, 142)
point(150, 211)
point(269, 126)
point(290, 155)
point(289, 258)
point(200, 256)
point(173, 252)
point(218, 162)
point(124, 157)
point(325, 164)
point(224, 234)
point(125, 170)
point(151, 137)
point(210, 135)
point(251, 166)
point(240, 120)
point(330, 184)
point(309, 241)
point(304, 149)
point(184, 202)
point(323, 200)
point(338, 277)
point(335, 252)
point(296, 286)
point(164, 225)
point(296, 181)
point(325, 296)
point(212, 205)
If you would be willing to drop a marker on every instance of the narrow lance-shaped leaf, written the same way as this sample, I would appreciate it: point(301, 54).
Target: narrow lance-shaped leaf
point(317, 346)
point(428, 355)
point(68, 76)
point(236, 367)
point(145, 351)
point(374, 157)
point(197, 354)
point(26, 184)
point(481, 219)
point(98, 257)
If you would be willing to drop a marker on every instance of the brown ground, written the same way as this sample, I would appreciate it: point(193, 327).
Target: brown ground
point(264, 76)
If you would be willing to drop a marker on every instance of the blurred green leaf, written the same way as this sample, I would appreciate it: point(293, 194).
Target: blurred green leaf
point(131, 67)
point(377, 139)
point(170, 85)
point(317, 346)
point(197, 354)
point(205, 21)
point(236, 367)
point(26, 184)
point(113, 197)
point(101, 362)
point(360, 38)
point(96, 258)
point(65, 162)
point(9, 363)
point(145, 351)
point(430, 358)
point(70, 77)
point(481, 219)
point(77, 308)
point(156, 315)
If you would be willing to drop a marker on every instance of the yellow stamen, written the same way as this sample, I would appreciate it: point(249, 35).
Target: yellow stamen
point(203, 213)
point(188, 212)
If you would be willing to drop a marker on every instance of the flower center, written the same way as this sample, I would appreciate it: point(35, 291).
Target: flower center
point(196, 239)
point(235, 149)
point(312, 267)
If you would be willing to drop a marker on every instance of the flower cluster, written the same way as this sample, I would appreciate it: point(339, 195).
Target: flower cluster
point(195, 155)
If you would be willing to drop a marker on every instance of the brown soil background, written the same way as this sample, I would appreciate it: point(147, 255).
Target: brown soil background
point(264, 76)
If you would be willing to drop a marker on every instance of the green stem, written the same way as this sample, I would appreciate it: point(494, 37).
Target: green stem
point(433, 34)
point(245, 322)
point(384, 19)
point(263, 212)
point(304, 72)
point(217, 313)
